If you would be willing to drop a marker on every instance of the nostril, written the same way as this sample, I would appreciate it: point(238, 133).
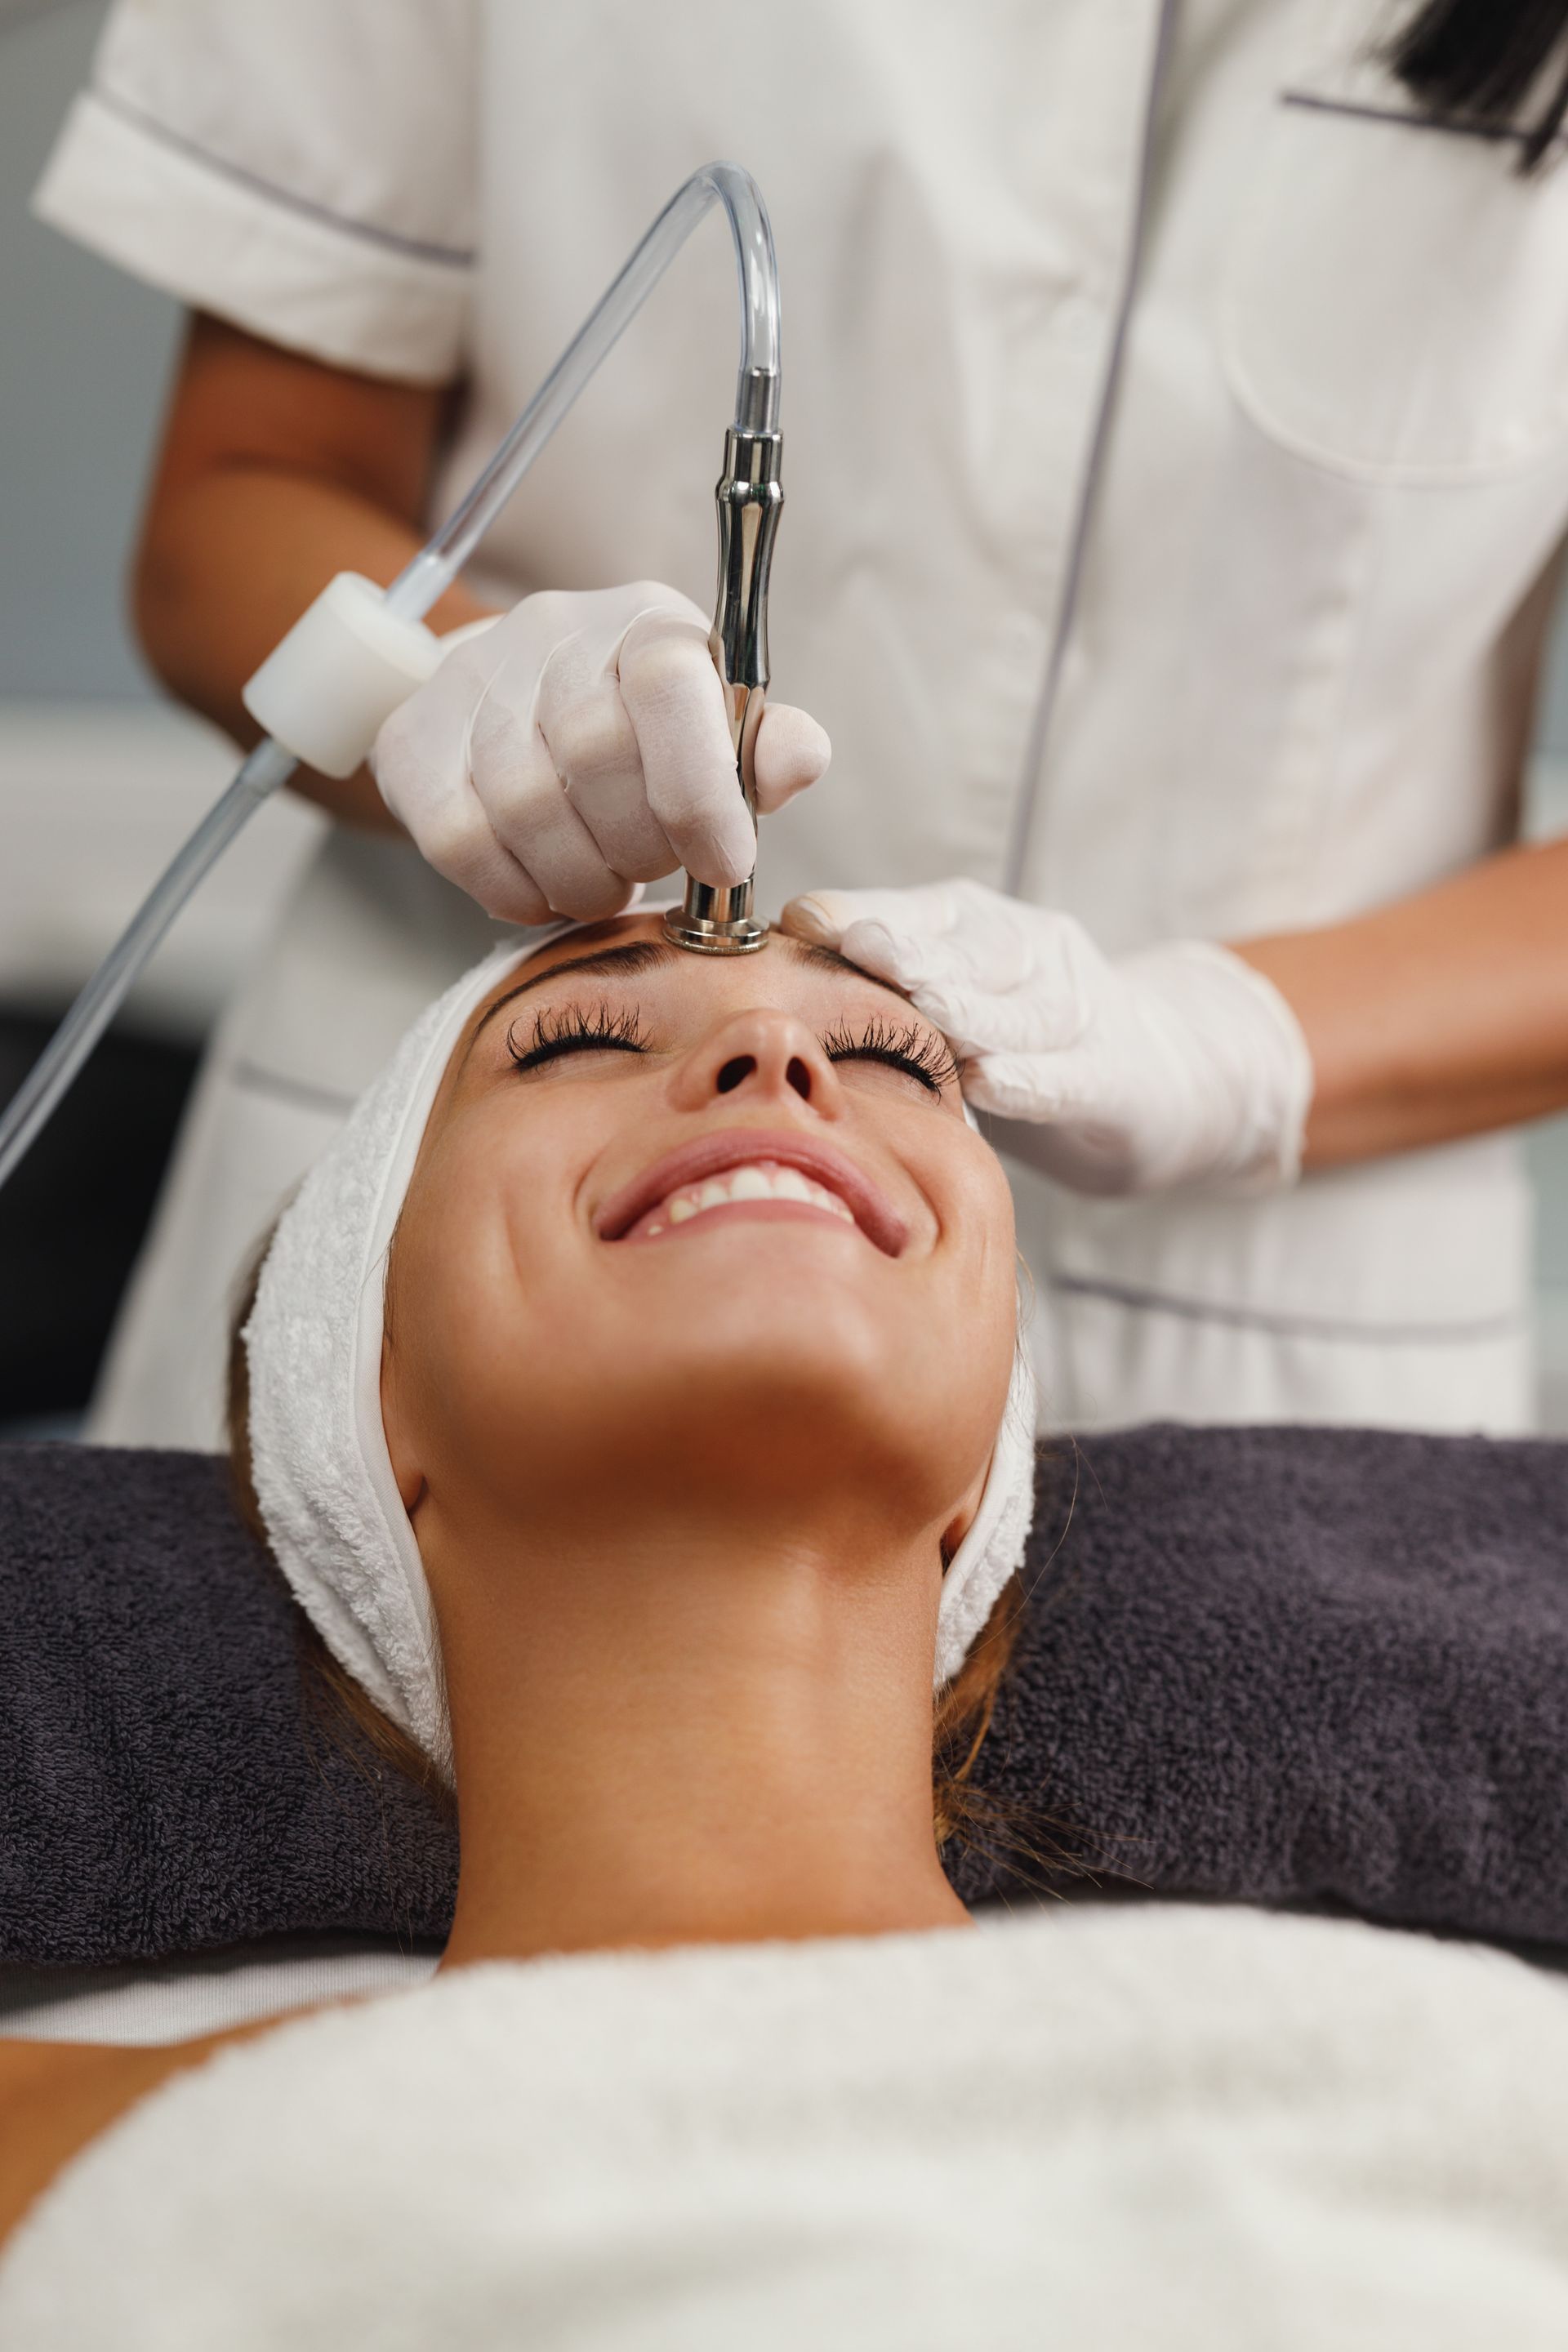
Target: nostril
point(735, 1073)
point(799, 1077)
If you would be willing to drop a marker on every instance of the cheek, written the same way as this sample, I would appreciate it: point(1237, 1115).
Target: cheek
point(979, 1308)
point(487, 1259)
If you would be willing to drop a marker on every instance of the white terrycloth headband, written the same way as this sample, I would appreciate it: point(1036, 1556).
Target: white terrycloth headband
point(323, 1476)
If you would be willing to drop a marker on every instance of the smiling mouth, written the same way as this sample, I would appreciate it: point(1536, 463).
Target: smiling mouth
point(757, 1188)
point(751, 1174)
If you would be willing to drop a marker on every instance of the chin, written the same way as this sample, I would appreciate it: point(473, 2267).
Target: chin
point(785, 1405)
point(751, 1424)
point(814, 1336)
point(750, 1380)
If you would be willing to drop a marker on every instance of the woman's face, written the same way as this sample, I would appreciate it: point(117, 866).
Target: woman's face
point(709, 1231)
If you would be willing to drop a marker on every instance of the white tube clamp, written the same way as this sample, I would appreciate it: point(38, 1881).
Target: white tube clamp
point(326, 689)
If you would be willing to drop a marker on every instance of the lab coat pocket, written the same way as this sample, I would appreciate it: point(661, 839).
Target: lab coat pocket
point(1396, 304)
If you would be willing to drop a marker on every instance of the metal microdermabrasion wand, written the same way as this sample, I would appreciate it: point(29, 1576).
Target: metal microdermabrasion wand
point(750, 498)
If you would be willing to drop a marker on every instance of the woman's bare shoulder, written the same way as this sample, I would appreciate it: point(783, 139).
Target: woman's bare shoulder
point(56, 2097)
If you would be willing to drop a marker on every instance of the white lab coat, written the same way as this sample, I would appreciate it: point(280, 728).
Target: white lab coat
point(1176, 459)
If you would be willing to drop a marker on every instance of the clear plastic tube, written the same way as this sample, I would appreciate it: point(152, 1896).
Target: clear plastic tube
point(257, 779)
point(427, 577)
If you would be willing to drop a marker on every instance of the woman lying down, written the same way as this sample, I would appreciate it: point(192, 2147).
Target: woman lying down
point(635, 1407)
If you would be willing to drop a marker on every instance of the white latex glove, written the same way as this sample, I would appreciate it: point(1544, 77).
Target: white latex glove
point(1177, 1066)
point(578, 746)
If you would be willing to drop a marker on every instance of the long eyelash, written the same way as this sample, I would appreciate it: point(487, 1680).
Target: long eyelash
point(569, 1029)
point(904, 1046)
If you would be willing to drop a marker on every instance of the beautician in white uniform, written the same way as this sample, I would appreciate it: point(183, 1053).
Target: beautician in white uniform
point(1178, 464)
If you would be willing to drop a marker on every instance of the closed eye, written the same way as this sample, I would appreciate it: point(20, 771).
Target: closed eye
point(575, 1030)
point(899, 1045)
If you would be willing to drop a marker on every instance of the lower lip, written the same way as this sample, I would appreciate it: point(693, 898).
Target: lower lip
point(730, 1213)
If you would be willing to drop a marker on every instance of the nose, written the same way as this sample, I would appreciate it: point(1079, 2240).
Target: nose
point(760, 1057)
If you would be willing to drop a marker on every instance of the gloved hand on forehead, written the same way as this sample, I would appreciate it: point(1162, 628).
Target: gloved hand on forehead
point(579, 746)
point(1179, 1065)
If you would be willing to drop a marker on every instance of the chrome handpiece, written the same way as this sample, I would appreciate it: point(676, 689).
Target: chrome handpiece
point(750, 498)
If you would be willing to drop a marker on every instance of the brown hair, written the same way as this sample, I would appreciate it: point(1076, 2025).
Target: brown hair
point(962, 1712)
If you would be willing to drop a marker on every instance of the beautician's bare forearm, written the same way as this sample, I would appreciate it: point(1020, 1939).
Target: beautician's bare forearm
point(275, 472)
point(1441, 1017)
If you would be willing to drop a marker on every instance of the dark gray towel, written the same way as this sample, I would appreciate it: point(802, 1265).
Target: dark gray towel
point(165, 1786)
point(1289, 1665)
point(1266, 1664)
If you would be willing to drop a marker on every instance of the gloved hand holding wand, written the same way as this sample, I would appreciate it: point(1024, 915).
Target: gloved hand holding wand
point(577, 746)
point(565, 751)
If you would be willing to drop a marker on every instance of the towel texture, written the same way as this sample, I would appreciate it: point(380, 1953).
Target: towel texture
point(167, 1786)
point(1300, 1665)
point(1208, 2131)
point(1272, 1665)
point(323, 1478)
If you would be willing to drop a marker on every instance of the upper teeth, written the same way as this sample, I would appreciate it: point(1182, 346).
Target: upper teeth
point(761, 1179)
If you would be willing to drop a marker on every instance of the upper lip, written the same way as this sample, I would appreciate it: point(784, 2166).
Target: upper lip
point(707, 1155)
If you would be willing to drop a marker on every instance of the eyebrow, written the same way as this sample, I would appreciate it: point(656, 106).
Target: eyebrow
point(623, 962)
point(634, 956)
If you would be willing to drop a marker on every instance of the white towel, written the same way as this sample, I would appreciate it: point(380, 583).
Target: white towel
point(1162, 2130)
point(323, 1477)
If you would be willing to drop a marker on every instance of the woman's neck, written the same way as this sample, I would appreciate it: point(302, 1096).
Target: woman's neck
point(672, 1738)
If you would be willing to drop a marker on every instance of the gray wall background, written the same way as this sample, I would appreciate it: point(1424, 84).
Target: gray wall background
point(83, 365)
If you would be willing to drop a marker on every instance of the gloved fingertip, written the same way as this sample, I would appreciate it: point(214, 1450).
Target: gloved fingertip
point(1038, 1089)
point(792, 753)
point(777, 795)
point(891, 955)
point(811, 919)
point(983, 1090)
point(723, 858)
point(813, 749)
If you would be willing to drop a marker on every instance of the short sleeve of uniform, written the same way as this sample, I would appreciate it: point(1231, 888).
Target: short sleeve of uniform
point(301, 167)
